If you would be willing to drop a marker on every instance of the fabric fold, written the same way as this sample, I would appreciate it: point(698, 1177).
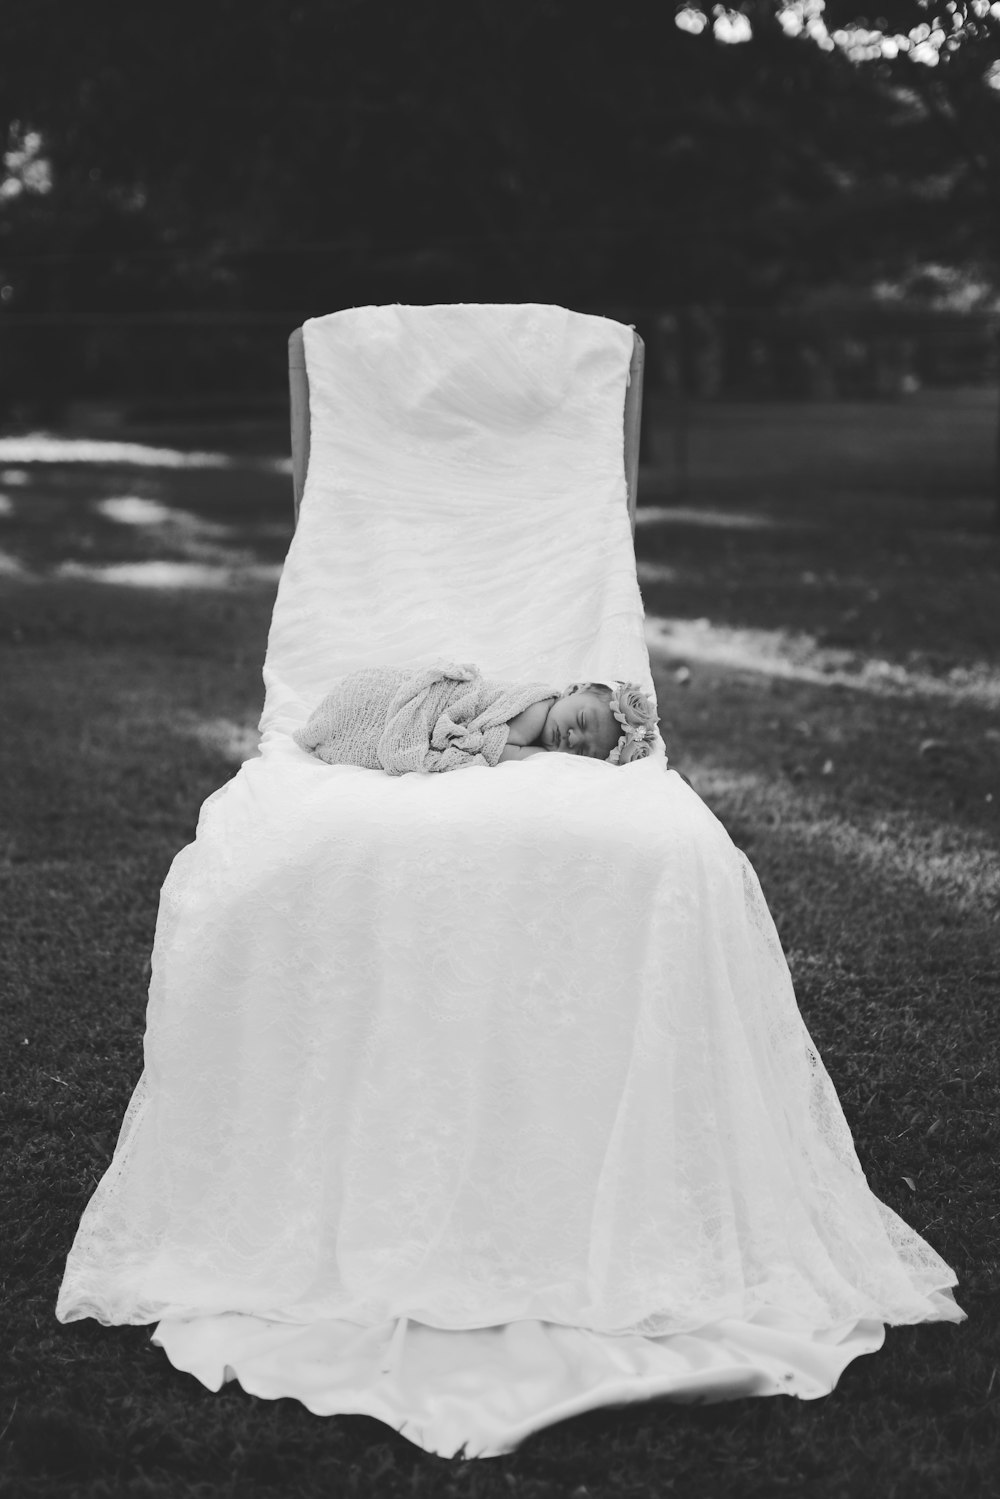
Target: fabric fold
point(481, 1393)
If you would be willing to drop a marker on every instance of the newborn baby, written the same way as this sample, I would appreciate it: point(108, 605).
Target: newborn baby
point(449, 716)
point(581, 721)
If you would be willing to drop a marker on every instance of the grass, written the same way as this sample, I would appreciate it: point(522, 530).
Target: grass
point(837, 709)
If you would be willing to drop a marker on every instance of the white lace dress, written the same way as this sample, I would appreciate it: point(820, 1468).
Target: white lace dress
point(474, 1101)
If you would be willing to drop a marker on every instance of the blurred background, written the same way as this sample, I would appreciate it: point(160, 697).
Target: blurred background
point(789, 200)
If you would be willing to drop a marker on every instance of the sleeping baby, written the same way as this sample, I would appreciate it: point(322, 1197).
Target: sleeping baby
point(448, 716)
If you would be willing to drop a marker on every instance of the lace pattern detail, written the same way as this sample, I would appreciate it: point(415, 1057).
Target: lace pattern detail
point(536, 1074)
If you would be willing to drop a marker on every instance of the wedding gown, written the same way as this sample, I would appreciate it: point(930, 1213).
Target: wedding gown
point(472, 1101)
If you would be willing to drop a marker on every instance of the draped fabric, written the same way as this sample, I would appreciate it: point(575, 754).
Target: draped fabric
point(472, 1101)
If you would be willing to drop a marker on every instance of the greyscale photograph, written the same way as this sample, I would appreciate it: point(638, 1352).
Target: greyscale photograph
point(500, 791)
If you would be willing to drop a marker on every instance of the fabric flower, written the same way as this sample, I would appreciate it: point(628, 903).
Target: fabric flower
point(635, 749)
point(635, 705)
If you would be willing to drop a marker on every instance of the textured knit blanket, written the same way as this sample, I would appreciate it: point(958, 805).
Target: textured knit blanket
point(442, 717)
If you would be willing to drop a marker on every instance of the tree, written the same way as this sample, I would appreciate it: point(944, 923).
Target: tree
point(289, 155)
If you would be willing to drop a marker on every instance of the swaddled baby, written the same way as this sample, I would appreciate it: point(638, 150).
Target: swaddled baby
point(449, 716)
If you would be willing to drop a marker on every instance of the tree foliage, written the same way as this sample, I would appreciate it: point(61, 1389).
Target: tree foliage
point(301, 153)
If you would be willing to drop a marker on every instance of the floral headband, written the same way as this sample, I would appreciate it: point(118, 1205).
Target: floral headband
point(636, 714)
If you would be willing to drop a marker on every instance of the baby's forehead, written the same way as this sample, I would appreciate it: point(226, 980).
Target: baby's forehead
point(586, 695)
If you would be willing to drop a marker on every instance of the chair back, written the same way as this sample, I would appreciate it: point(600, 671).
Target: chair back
point(298, 393)
point(466, 486)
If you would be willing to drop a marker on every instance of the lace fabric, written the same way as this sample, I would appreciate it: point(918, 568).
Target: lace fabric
point(545, 1073)
point(470, 1050)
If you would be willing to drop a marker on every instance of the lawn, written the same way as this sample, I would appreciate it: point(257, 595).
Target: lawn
point(823, 604)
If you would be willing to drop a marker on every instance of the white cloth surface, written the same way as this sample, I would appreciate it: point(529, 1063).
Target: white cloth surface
point(516, 1048)
point(479, 1393)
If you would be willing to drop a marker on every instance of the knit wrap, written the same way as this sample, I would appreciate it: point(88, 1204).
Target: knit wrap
point(436, 718)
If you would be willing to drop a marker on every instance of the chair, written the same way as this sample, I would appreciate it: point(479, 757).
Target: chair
point(474, 1101)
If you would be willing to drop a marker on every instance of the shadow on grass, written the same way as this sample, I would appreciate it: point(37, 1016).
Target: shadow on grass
point(195, 519)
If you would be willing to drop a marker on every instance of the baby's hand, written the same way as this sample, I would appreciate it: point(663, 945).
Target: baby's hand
point(520, 751)
point(526, 728)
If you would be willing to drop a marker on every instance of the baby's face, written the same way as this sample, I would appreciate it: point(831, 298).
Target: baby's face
point(581, 724)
